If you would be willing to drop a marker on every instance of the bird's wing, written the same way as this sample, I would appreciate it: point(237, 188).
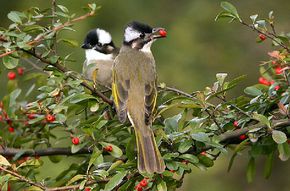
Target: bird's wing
point(120, 94)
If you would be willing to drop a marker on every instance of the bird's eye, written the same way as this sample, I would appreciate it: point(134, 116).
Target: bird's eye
point(99, 44)
point(142, 35)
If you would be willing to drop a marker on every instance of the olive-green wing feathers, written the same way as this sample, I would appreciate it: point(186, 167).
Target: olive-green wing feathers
point(150, 100)
point(120, 94)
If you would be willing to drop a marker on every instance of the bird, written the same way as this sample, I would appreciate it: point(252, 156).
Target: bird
point(100, 52)
point(134, 91)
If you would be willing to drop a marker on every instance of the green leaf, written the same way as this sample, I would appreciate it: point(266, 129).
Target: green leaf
point(279, 137)
point(14, 16)
point(70, 42)
point(162, 186)
point(253, 91)
point(200, 136)
point(284, 151)
point(10, 62)
point(115, 165)
point(76, 148)
point(76, 178)
point(254, 17)
point(171, 124)
point(115, 181)
point(37, 119)
point(225, 15)
point(94, 107)
point(4, 161)
point(230, 8)
point(221, 78)
point(238, 148)
point(251, 169)
point(81, 97)
point(191, 158)
point(268, 165)
point(184, 146)
point(31, 162)
point(261, 118)
point(206, 161)
point(101, 124)
point(116, 152)
point(13, 96)
point(94, 156)
point(63, 8)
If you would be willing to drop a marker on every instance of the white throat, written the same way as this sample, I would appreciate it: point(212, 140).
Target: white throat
point(95, 55)
point(147, 47)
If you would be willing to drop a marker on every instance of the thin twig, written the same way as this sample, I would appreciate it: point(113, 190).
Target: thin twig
point(22, 178)
point(55, 29)
point(75, 187)
point(10, 152)
point(64, 70)
point(267, 34)
point(179, 92)
point(53, 10)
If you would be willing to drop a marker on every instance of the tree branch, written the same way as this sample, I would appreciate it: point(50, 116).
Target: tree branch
point(267, 34)
point(63, 69)
point(225, 137)
point(22, 178)
point(10, 152)
point(55, 29)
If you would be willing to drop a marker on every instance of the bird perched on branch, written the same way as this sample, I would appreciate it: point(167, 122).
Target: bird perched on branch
point(100, 54)
point(134, 90)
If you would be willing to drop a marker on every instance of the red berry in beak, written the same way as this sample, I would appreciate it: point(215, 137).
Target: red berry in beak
point(162, 33)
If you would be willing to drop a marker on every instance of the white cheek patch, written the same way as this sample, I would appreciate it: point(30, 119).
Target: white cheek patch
point(104, 36)
point(93, 55)
point(131, 34)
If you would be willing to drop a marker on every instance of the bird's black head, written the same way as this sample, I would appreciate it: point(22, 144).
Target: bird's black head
point(138, 35)
point(99, 40)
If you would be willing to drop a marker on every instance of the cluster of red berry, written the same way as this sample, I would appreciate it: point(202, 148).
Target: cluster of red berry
point(142, 184)
point(12, 75)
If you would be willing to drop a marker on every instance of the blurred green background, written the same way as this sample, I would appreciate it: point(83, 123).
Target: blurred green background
point(196, 49)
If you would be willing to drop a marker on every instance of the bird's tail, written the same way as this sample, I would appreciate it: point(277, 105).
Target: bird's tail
point(149, 157)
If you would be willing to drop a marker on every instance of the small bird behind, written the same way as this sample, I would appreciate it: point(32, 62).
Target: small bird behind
point(100, 54)
point(134, 90)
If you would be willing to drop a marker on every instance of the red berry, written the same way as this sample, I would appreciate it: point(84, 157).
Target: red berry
point(50, 118)
point(138, 187)
point(20, 71)
point(87, 189)
point(31, 116)
point(242, 137)
point(75, 140)
point(262, 37)
point(11, 75)
point(264, 81)
point(203, 153)
point(108, 148)
point(162, 33)
point(143, 183)
point(278, 70)
point(236, 123)
point(274, 62)
point(288, 141)
point(11, 129)
point(276, 88)
point(1, 118)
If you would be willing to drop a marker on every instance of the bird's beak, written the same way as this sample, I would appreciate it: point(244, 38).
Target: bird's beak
point(158, 33)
